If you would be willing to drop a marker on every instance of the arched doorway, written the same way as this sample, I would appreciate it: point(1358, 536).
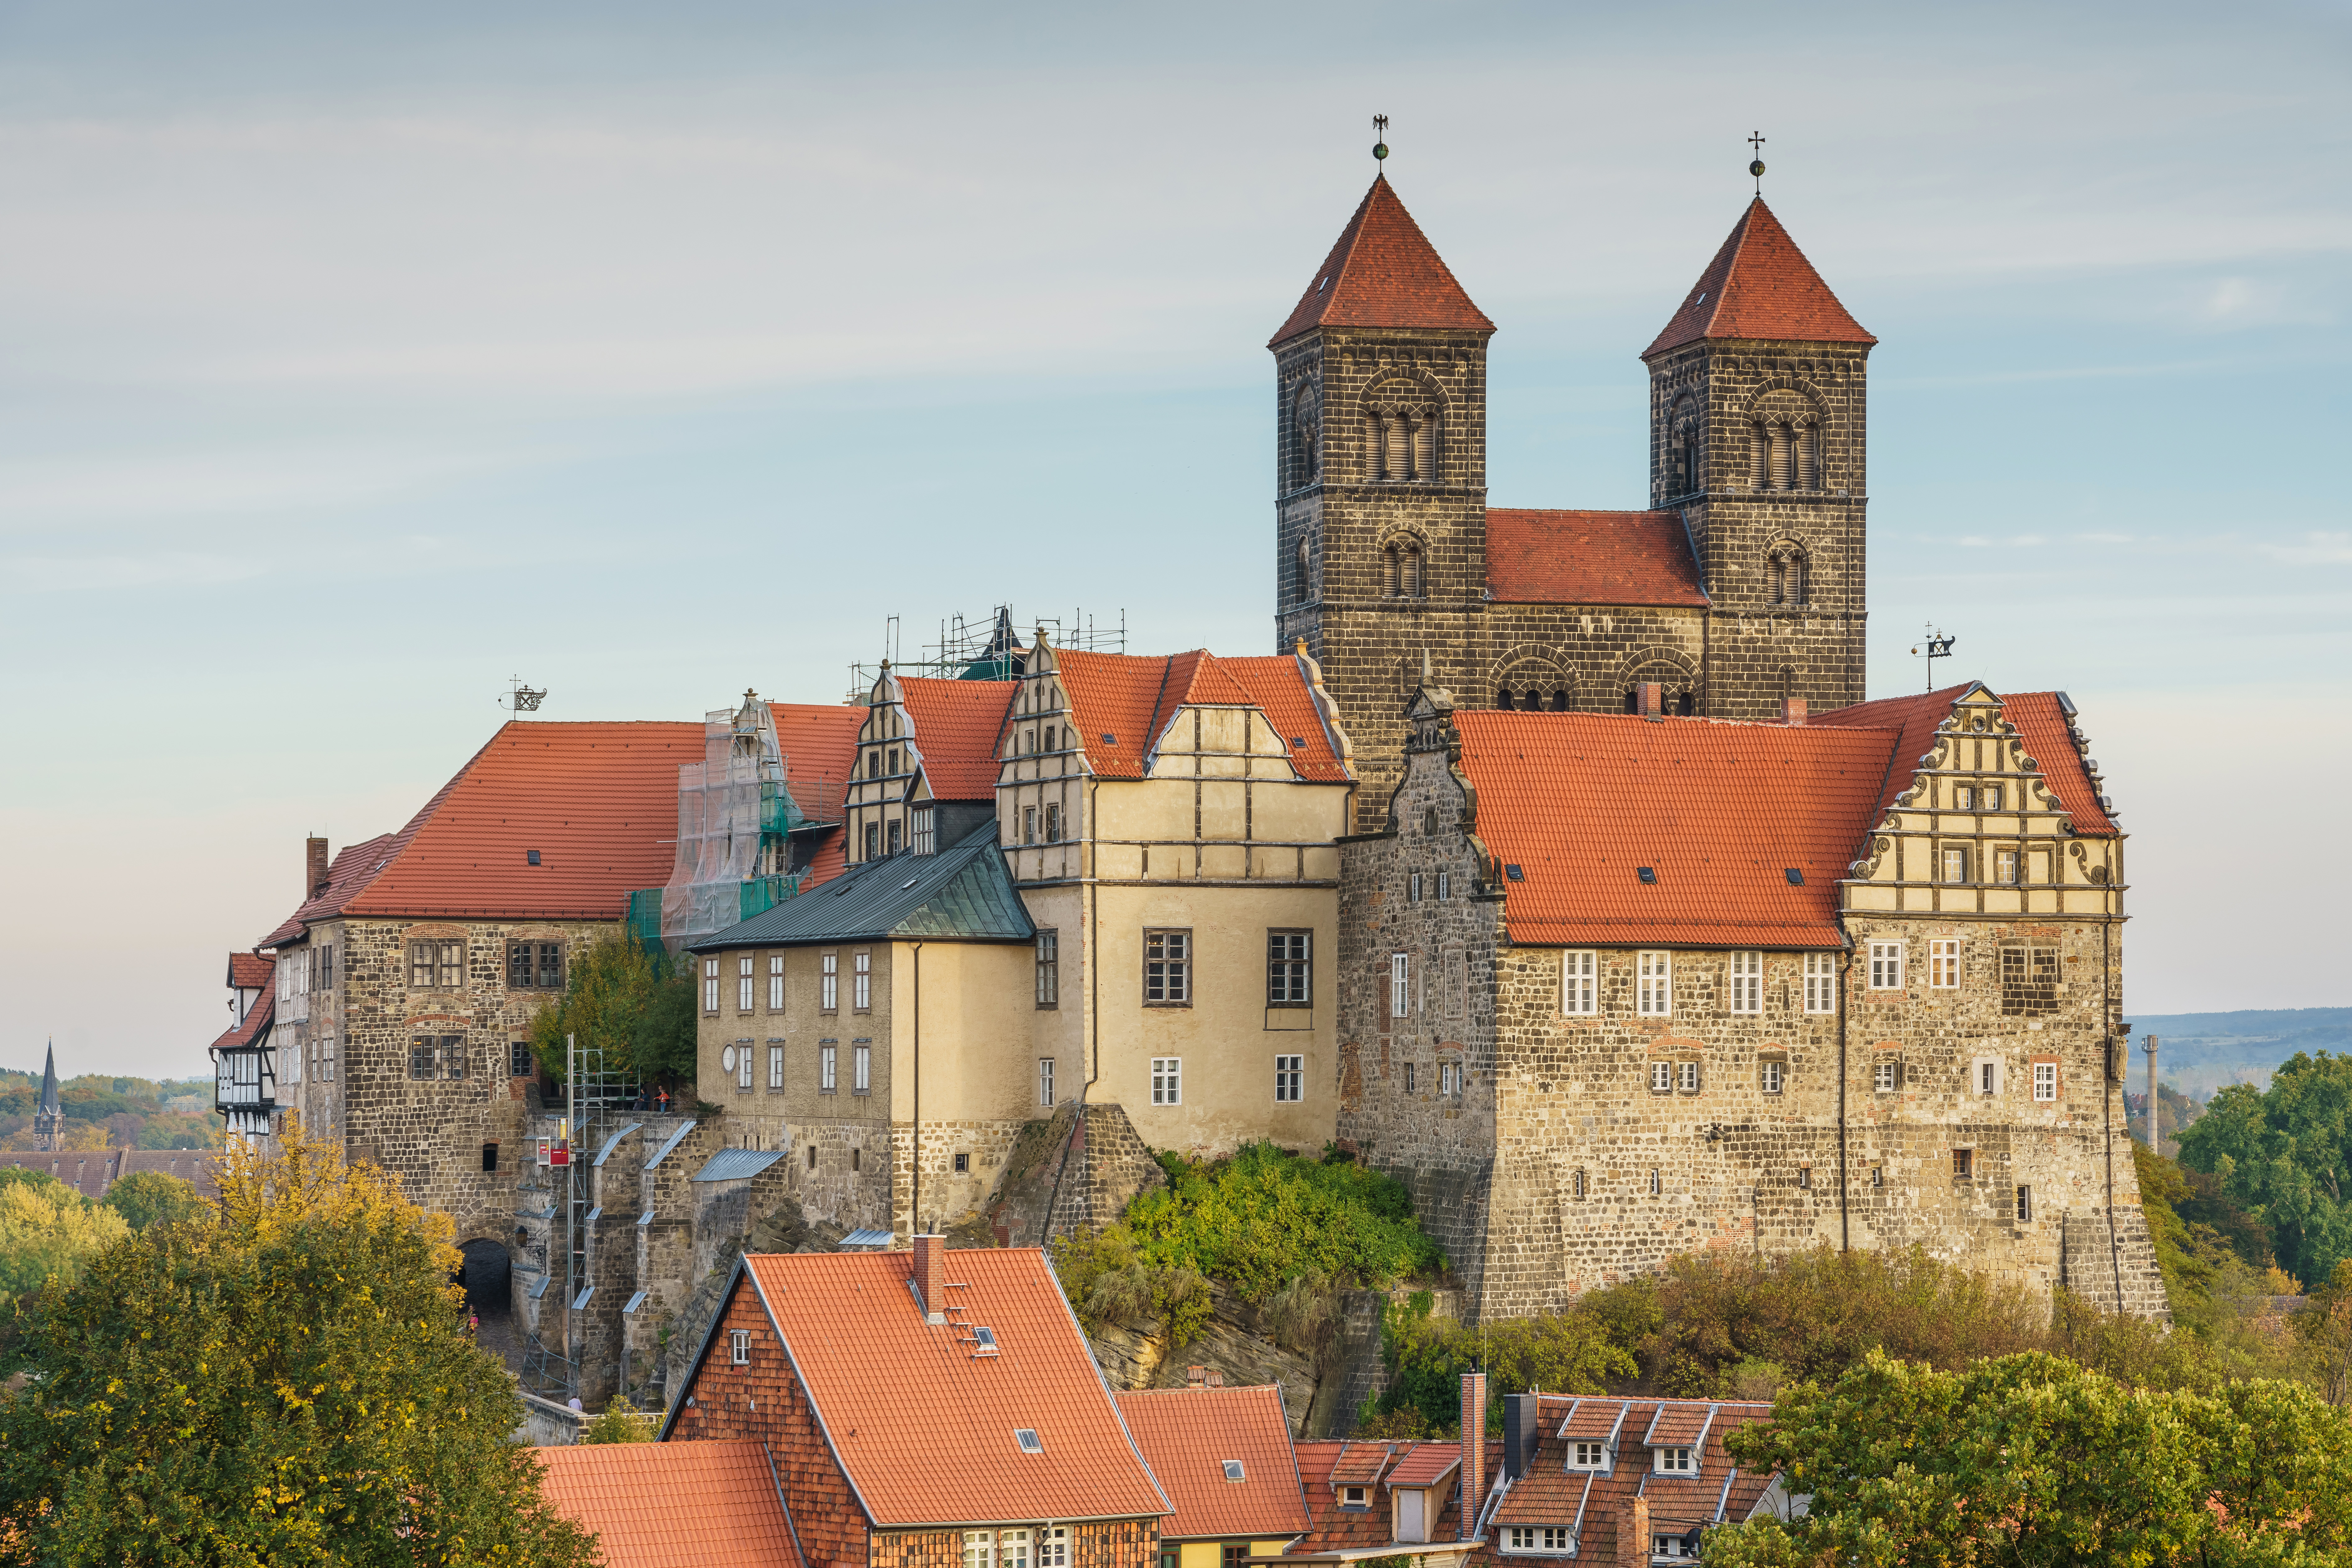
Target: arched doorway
point(488, 1276)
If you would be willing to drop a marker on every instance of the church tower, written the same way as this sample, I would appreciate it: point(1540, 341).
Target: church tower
point(1381, 475)
point(1756, 437)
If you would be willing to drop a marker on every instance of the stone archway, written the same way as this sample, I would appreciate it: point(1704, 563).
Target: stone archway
point(486, 1274)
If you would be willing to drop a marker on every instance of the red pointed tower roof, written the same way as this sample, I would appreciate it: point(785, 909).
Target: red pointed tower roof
point(1759, 285)
point(1383, 272)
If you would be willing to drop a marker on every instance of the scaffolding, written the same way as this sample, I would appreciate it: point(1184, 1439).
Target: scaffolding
point(734, 818)
point(596, 1097)
point(985, 649)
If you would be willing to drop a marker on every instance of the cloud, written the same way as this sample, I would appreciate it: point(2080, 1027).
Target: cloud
point(2318, 548)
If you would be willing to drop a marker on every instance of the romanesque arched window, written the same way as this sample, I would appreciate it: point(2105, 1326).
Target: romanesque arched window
point(1400, 429)
point(1784, 575)
point(1298, 572)
point(1405, 572)
point(1784, 453)
point(1303, 433)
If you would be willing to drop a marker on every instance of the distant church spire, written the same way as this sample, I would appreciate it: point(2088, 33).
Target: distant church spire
point(49, 1113)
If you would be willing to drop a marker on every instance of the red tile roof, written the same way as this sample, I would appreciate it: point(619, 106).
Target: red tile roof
point(248, 1029)
point(2049, 740)
point(1188, 1433)
point(1759, 286)
point(674, 1505)
point(1546, 557)
point(1121, 704)
point(1325, 1466)
point(925, 1429)
point(1913, 719)
point(1425, 1466)
point(1548, 1493)
point(1382, 272)
point(820, 747)
point(349, 872)
point(1579, 802)
point(954, 726)
point(249, 972)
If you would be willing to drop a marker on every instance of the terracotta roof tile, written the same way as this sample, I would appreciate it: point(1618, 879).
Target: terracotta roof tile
point(249, 1028)
point(1132, 698)
point(1912, 718)
point(1382, 272)
point(249, 972)
point(92, 1171)
point(674, 1505)
point(819, 746)
point(1326, 1466)
point(1579, 802)
point(1361, 1464)
point(1188, 1433)
point(2049, 740)
point(1549, 1493)
point(1112, 698)
point(1546, 557)
point(1425, 1466)
point(1278, 684)
point(925, 1429)
point(349, 873)
point(954, 727)
point(1759, 286)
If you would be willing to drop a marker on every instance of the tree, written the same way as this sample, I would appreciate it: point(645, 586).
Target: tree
point(2285, 1155)
point(1561, 1353)
point(144, 1197)
point(288, 1384)
point(627, 1003)
point(2032, 1460)
point(619, 1422)
point(49, 1231)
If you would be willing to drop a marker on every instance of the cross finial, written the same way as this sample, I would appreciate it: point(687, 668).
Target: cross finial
point(1381, 134)
point(1756, 167)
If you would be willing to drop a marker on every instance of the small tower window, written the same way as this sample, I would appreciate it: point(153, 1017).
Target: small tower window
point(1405, 572)
point(1298, 572)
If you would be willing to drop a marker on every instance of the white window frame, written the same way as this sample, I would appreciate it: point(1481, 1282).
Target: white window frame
point(1654, 983)
point(1053, 1546)
point(2006, 863)
point(1579, 983)
point(861, 981)
point(1587, 1454)
point(1168, 966)
point(828, 968)
point(1944, 963)
point(1289, 1079)
point(738, 1347)
point(744, 984)
point(710, 985)
point(1677, 1461)
point(775, 983)
point(1821, 983)
point(1045, 1081)
point(2045, 1082)
point(924, 837)
point(1771, 1077)
point(828, 1068)
point(1951, 857)
point(1686, 1078)
point(1412, 889)
point(1746, 982)
point(1886, 965)
point(861, 1066)
point(1168, 1081)
point(1013, 1549)
point(1444, 886)
point(775, 1067)
point(1400, 986)
point(743, 1067)
point(1449, 1081)
point(1985, 1077)
point(1886, 1076)
point(979, 1549)
point(1662, 1078)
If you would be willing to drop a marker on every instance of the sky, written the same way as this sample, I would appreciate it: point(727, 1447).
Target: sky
point(354, 360)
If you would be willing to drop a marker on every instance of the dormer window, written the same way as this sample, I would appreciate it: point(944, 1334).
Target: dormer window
point(1354, 1496)
point(1677, 1462)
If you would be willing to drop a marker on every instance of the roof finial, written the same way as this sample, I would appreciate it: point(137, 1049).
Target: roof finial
point(1380, 145)
point(1756, 167)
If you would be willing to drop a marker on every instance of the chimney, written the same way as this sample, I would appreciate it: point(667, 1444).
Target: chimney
point(314, 867)
point(1473, 1451)
point(1519, 1433)
point(2155, 1101)
point(1649, 699)
point(1792, 710)
point(1196, 1377)
point(931, 1277)
point(1634, 1534)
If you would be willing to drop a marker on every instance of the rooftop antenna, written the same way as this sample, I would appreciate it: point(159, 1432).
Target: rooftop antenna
point(521, 699)
point(1755, 166)
point(1381, 141)
point(1933, 645)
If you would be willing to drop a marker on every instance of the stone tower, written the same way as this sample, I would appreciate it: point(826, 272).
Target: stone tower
point(1381, 472)
point(1758, 422)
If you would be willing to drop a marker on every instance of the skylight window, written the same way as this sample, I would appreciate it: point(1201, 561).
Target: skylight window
point(1796, 877)
point(1233, 1470)
point(1110, 739)
point(1515, 874)
point(983, 1336)
point(1027, 1437)
point(1649, 874)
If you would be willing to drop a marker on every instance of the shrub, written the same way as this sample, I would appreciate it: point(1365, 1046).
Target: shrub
point(1561, 1352)
point(619, 1422)
point(145, 1197)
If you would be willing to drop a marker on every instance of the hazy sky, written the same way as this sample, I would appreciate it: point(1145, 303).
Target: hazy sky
point(352, 359)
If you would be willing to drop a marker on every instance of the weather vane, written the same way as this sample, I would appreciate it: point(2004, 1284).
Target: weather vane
point(521, 699)
point(1380, 131)
point(1756, 167)
point(1933, 646)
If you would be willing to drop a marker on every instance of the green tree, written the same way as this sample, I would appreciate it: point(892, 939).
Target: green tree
point(2285, 1155)
point(624, 1000)
point(1561, 1352)
point(2032, 1460)
point(619, 1422)
point(145, 1197)
point(49, 1231)
point(290, 1385)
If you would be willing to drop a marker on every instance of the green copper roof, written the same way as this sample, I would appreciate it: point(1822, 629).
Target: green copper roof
point(961, 894)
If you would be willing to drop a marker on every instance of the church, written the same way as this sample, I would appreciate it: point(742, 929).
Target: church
point(1742, 586)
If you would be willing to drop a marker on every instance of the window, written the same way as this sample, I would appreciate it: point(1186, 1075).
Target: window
point(828, 1078)
point(738, 1347)
point(1449, 1079)
point(1986, 1076)
point(744, 984)
point(862, 1068)
point(894, 828)
point(1662, 1078)
point(1886, 966)
point(436, 965)
point(327, 967)
point(743, 1067)
point(1045, 1080)
point(1677, 1462)
point(1956, 863)
point(533, 965)
point(829, 983)
point(1352, 1496)
point(1686, 1077)
point(1804, 1178)
point(1887, 1076)
point(710, 985)
point(2045, 1081)
point(962, 1163)
point(326, 1059)
point(1049, 970)
point(1547, 1537)
point(436, 1056)
point(1989, 797)
point(1587, 1456)
point(812, 1156)
point(1236, 1553)
point(1964, 1164)
point(1412, 889)
point(1400, 986)
point(1012, 1545)
point(890, 765)
point(2028, 980)
point(857, 1159)
point(1656, 1186)
point(2025, 1203)
point(1656, 998)
point(1233, 1470)
point(1771, 1075)
point(1289, 1076)
point(1166, 969)
point(775, 1069)
point(873, 842)
point(775, 983)
point(1053, 822)
point(861, 981)
point(1289, 981)
point(489, 1158)
point(1944, 963)
point(518, 1059)
point(1444, 886)
point(1028, 825)
point(1579, 1184)
point(2004, 867)
point(1747, 983)
point(1167, 1080)
point(1964, 796)
point(1821, 983)
point(1580, 992)
point(1408, 1077)
point(923, 831)
point(1053, 1547)
point(979, 1549)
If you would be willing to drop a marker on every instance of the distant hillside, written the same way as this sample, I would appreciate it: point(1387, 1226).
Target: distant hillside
point(103, 1112)
point(2202, 1051)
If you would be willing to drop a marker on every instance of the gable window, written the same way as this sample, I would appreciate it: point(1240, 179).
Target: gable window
point(1353, 1496)
point(2028, 980)
point(1400, 986)
point(1821, 983)
point(1677, 1462)
point(1167, 1080)
point(1662, 1078)
point(2045, 1081)
point(1956, 863)
point(1049, 970)
point(1964, 796)
point(861, 981)
point(1771, 1075)
point(1886, 966)
point(533, 965)
point(710, 985)
point(1045, 1080)
point(1289, 980)
point(894, 828)
point(1028, 825)
point(1748, 983)
point(1944, 963)
point(828, 1056)
point(828, 983)
point(744, 984)
point(1580, 992)
point(862, 1065)
point(1289, 1077)
point(1656, 996)
point(775, 983)
point(1586, 1454)
point(924, 836)
point(1053, 822)
point(1547, 1539)
point(775, 1069)
point(1167, 968)
point(873, 842)
point(738, 1347)
point(2004, 867)
point(435, 966)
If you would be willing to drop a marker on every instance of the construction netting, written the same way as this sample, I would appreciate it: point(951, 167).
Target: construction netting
point(733, 816)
